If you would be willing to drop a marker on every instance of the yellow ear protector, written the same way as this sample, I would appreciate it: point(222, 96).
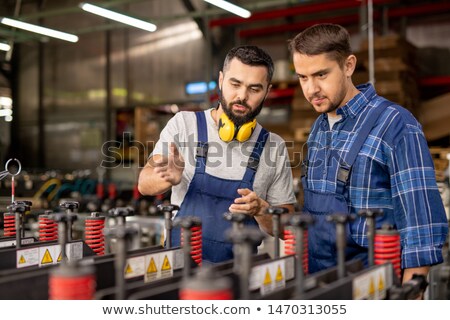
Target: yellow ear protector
point(228, 130)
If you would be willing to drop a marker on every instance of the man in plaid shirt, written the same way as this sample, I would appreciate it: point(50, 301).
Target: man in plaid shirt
point(364, 152)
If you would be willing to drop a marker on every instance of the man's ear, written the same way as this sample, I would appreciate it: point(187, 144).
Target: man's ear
point(268, 90)
point(350, 65)
point(220, 80)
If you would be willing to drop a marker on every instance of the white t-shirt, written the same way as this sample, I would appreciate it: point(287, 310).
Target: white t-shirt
point(333, 120)
point(273, 179)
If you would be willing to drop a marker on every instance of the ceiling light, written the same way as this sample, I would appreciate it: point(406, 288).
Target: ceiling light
point(5, 101)
point(5, 112)
point(117, 17)
point(38, 29)
point(5, 47)
point(231, 8)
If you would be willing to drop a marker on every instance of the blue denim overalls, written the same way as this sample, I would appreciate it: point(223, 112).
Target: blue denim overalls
point(209, 197)
point(322, 252)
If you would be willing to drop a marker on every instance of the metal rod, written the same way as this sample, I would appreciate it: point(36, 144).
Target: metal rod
point(276, 235)
point(244, 275)
point(341, 243)
point(168, 226)
point(299, 251)
point(62, 234)
point(371, 240)
point(370, 41)
point(18, 229)
point(187, 235)
point(120, 268)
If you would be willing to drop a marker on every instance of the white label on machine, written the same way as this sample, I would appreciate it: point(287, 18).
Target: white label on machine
point(27, 257)
point(151, 269)
point(289, 265)
point(11, 243)
point(159, 266)
point(74, 250)
point(178, 259)
point(134, 267)
point(271, 276)
point(371, 285)
point(254, 282)
point(166, 264)
point(48, 255)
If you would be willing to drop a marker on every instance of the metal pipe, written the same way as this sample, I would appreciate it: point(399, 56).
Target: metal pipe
point(370, 41)
point(299, 251)
point(18, 229)
point(244, 275)
point(340, 244)
point(120, 267)
point(168, 226)
point(62, 234)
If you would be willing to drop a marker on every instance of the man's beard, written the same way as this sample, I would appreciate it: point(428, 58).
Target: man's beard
point(237, 119)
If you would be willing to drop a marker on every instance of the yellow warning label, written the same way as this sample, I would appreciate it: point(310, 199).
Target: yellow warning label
point(47, 257)
point(279, 276)
point(166, 264)
point(267, 278)
point(381, 284)
point(152, 267)
point(22, 260)
point(128, 269)
point(372, 286)
point(59, 257)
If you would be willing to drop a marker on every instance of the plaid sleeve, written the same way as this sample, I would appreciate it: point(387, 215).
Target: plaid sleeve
point(418, 208)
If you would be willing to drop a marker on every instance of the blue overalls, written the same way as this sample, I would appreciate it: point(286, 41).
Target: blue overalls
point(209, 197)
point(322, 252)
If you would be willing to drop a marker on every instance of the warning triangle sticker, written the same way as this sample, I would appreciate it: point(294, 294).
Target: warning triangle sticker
point(152, 266)
point(47, 257)
point(267, 278)
point(59, 257)
point(166, 264)
point(22, 260)
point(279, 276)
point(381, 284)
point(128, 269)
point(372, 286)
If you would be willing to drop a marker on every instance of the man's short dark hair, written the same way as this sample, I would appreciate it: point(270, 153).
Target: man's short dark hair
point(331, 39)
point(252, 56)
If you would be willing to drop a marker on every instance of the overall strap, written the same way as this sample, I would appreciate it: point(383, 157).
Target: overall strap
point(345, 166)
point(305, 162)
point(253, 160)
point(202, 144)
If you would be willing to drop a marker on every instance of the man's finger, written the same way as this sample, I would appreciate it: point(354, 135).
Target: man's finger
point(174, 150)
point(244, 192)
point(161, 162)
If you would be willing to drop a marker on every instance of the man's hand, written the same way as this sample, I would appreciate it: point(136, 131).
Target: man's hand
point(170, 168)
point(249, 203)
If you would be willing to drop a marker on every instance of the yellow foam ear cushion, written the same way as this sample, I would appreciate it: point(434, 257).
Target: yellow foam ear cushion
point(246, 131)
point(226, 128)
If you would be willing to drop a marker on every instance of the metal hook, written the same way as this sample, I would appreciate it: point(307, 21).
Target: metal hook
point(7, 172)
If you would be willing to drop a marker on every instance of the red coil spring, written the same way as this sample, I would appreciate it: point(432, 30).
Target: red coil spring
point(9, 224)
point(289, 247)
point(388, 249)
point(196, 244)
point(190, 294)
point(48, 229)
point(94, 237)
point(75, 287)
